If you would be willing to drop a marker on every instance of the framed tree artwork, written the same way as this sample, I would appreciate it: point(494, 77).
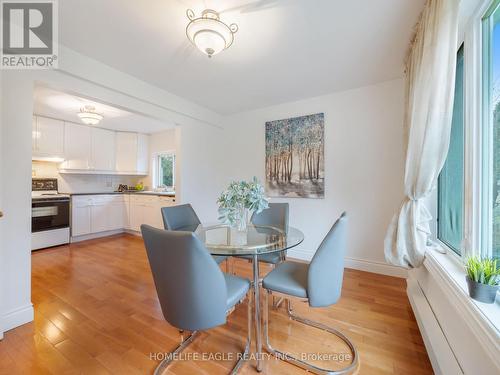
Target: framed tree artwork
point(295, 157)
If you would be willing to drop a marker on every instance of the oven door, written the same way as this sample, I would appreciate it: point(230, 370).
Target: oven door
point(49, 214)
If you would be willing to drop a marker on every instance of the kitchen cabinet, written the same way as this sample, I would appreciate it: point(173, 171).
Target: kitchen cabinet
point(132, 153)
point(81, 216)
point(107, 213)
point(147, 210)
point(103, 150)
point(91, 214)
point(142, 154)
point(89, 150)
point(118, 214)
point(47, 137)
point(77, 143)
point(98, 213)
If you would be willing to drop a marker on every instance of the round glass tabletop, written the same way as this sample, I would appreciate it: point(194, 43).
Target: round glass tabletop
point(221, 239)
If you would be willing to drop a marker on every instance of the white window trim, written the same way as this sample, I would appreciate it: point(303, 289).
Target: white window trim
point(155, 173)
point(473, 136)
point(449, 266)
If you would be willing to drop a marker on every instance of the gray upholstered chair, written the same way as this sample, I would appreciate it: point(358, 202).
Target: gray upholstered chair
point(183, 217)
point(319, 283)
point(276, 216)
point(194, 293)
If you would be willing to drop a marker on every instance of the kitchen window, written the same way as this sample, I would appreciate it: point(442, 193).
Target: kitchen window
point(164, 170)
point(451, 179)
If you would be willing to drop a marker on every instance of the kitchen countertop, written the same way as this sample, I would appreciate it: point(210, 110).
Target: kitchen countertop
point(157, 193)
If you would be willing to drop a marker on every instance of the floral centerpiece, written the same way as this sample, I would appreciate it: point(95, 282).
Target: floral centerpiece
point(240, 198)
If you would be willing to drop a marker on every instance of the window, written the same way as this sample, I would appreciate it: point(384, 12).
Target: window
point(164, 164)
point(491, 133)
point(451, 179)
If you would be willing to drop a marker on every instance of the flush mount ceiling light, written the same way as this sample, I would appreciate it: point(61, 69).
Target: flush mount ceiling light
point(89, 116)
point(208, 33)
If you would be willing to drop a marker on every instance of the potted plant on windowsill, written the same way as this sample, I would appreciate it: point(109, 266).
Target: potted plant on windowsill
point(483, 278)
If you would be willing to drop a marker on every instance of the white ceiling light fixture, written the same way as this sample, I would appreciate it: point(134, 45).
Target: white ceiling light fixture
point(208, 33)
point(89, 116)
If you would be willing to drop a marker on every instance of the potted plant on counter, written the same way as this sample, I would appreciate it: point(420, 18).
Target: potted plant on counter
point(483, 278)
point(240, 199)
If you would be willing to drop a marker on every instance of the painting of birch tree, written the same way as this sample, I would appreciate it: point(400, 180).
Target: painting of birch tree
point(295, 164)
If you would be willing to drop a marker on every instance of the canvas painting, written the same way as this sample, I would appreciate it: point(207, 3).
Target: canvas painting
point(295, 162)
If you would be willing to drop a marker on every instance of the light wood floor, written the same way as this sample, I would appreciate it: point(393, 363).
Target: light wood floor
point(96, 312)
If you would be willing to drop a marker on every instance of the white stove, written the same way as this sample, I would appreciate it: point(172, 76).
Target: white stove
point(48, 194)
point(49, 214)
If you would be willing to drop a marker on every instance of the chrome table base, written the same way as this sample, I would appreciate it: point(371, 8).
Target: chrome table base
point(256, 288)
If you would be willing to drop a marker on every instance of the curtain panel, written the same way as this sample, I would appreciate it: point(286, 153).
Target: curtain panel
point(430, 74)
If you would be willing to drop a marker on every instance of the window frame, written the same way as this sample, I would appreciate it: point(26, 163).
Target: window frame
point(471, 36)
point(487, 147)
point(461, 250)
point(156, 168)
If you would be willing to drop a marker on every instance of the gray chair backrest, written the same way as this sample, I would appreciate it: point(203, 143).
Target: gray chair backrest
point(190, 286)
point(276, 215)
point(326, 271)
point(180, 217)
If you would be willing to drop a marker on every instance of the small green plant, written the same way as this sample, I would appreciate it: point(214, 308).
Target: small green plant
point(241, 196)
point(483, 271)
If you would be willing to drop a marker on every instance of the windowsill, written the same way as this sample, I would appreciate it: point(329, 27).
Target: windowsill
point(486, 317)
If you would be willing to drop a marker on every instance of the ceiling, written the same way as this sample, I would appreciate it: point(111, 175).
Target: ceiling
point(284, 50)
point(63, 106)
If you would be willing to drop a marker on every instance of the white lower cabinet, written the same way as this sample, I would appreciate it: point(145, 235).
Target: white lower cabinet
point(81, 216)
point(147, 210)
point(101, 213)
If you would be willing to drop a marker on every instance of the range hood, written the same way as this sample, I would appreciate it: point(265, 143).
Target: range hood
point(50, 159)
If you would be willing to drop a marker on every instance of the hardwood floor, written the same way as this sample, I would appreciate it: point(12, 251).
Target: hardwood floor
point(96, 312)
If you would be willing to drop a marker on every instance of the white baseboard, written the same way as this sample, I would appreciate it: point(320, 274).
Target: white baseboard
point(375, 267)
point(16, 318)
point(357, 264)
point(92, 236)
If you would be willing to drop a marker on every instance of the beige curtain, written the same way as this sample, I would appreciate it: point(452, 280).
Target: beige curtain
point(431, 81)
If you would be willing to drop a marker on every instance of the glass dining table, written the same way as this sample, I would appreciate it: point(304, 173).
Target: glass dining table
point(257, 240)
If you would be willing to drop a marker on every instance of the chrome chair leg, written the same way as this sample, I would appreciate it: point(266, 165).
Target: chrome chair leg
point(242, 357)
point(277, 302)
point(171, 356)
point(302, 364)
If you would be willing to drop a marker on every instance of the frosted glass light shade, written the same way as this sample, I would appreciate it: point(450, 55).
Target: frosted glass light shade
point(208, 33)
point(89, 116)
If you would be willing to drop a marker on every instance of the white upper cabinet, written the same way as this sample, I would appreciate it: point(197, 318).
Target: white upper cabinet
point(126, 152)
point(132, 153)
point(77, 143)
point(142, 154)
point(48, 137)
point(87, 149)
point(103, 150)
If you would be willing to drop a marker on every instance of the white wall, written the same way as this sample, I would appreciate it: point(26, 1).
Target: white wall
point(364, 166)
point(204, 165)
